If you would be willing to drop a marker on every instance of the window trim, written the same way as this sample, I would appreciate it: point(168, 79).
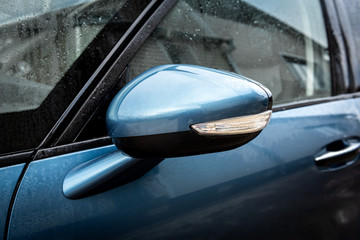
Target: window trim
point(351, 48)
point(305, 103)
point(337, 50)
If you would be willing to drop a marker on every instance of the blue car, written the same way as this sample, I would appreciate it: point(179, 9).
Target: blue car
point(188, 119)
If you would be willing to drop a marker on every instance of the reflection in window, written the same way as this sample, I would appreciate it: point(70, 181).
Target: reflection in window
point(39, 42)
point(247, 37)
point(311, 79)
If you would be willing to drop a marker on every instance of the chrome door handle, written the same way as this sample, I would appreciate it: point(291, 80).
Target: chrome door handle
point(349, 153)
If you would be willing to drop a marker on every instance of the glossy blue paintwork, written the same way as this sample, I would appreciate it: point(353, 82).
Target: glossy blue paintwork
point(45, 186)
point(149, 105)
point(9, 177)
point(91, 174)
point(268, 187)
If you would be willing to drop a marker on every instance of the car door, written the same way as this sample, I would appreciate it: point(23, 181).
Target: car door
point(297, 179)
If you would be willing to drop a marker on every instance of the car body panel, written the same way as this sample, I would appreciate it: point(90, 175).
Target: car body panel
point(9, 177)
point(268, 187)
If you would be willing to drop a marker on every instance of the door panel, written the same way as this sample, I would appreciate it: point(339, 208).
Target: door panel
point(268, 187)
point(9, 177)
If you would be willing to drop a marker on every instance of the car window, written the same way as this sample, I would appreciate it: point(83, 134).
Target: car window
point(39, 43)
point(48, 51)
point(281, 44)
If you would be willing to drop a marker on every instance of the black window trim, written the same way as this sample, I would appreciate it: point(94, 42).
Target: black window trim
point(340, 75)
point(351, 49)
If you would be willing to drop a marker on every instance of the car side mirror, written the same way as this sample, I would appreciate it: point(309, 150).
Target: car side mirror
point(180, 110)
point(174, 110)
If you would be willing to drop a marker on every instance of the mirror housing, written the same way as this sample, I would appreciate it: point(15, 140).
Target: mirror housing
point(179, 110)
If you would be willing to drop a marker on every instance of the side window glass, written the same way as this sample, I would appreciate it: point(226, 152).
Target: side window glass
point(39, 43)
point(282, 44)
point(48, 51)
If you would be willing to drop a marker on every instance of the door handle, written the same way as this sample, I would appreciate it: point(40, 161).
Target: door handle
point(337, 158)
